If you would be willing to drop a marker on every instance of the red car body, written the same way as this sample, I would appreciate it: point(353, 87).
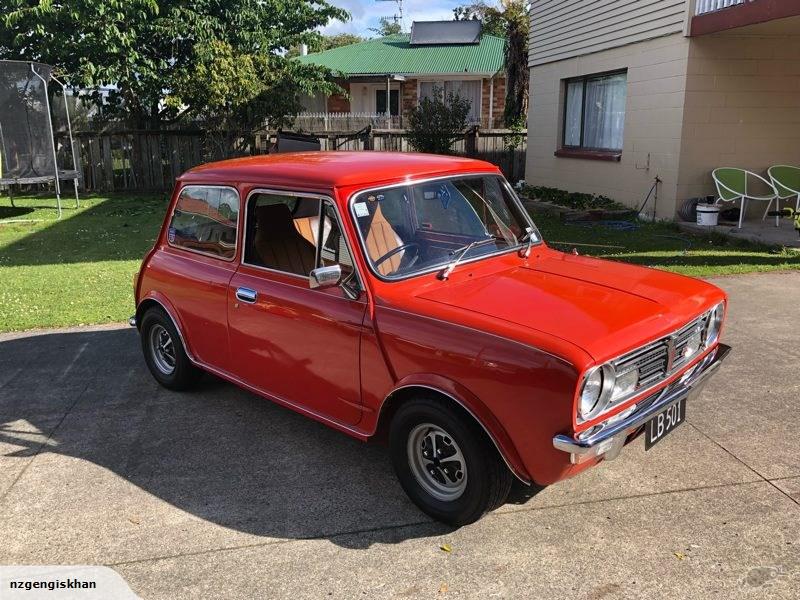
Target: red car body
point(507, 337)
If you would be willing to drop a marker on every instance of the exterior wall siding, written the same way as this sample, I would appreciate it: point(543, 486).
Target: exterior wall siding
point(562, 29)
point(742, 106)
point(653, 124)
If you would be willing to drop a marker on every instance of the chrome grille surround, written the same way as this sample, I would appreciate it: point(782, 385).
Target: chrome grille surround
point(659, 360)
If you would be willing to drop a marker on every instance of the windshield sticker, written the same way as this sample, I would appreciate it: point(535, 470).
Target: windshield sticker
point(171, 235)
point(362, 210)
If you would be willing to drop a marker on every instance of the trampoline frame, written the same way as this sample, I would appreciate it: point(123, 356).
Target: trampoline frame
point(58, 175)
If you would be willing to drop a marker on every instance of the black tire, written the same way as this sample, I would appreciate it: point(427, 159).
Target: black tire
point(183, 374)
point(488, 479)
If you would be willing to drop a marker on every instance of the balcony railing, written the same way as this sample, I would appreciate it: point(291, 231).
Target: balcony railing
point(708, 6)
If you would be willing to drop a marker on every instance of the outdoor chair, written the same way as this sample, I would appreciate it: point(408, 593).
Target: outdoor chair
point(786, 181)
point(732, 185)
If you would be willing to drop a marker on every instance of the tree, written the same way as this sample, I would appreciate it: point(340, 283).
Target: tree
point(516, 59)
point(206, 59)
point(494, 23)
point(387, 27)
point(510, 20)
point(437, 122)
point(328, 42)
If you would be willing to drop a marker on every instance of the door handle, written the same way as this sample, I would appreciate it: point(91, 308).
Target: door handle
point(246, 295)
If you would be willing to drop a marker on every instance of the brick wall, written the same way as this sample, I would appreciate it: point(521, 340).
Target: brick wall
point(499, 102)
point(409, 87)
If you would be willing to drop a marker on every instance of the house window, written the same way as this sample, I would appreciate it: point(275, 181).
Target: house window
point(594, 112)
point(394, 102)
point(467, 89)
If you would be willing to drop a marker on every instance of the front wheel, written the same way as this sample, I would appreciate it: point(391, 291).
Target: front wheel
point(445, 462)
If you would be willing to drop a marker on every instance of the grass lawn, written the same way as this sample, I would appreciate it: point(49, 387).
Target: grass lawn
point(79, 270)
point(664, 246)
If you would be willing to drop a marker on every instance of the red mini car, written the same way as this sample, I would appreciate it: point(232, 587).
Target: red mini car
point(410, 298)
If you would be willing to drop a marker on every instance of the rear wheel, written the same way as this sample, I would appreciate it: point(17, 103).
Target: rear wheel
point(445, 462)
point(164, 352)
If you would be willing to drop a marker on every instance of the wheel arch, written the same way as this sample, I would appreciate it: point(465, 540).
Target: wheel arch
point(463, 401)
point(154, 301)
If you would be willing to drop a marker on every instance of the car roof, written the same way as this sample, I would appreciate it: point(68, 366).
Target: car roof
point(333, 169)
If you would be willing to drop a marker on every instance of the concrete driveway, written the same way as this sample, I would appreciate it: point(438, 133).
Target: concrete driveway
point(217, 493)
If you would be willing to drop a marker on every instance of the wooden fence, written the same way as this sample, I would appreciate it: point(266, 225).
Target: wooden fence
point(151, 160)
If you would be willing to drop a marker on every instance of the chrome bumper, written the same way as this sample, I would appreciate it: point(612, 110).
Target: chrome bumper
point(607, 439)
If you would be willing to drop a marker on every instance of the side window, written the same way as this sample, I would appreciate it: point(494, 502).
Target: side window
point(281, 232)
point(205, 220)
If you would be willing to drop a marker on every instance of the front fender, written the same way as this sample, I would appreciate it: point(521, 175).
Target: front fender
point(477, 409)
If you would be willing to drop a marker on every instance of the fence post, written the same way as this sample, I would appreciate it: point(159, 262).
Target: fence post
point(471, 142)
point(369, 139)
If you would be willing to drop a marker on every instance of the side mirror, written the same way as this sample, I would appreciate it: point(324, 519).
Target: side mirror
point(325, 277)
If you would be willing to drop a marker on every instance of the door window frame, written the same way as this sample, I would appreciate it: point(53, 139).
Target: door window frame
point(238, 220)
point(323, 198)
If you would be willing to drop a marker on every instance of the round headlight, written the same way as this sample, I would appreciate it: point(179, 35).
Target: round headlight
point(714, 324)
point(594, 392)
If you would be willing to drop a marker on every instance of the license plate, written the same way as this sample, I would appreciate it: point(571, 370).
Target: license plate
point(663, 423)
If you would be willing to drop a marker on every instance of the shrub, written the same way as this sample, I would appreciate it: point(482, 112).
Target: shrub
point(437, 122)
point(574, 200)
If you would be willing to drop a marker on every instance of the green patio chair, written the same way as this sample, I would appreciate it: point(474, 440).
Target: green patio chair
point(732, 185)
point(786, 181)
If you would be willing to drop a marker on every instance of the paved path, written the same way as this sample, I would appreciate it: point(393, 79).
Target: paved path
point(219, 494)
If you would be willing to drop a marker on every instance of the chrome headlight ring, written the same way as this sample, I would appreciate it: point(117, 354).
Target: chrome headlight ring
point(596, 391)
point(713, 325)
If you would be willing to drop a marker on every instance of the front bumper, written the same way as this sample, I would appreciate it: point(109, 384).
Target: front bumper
point(607, 439)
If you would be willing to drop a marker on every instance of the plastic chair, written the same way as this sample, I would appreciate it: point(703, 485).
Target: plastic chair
point(786, 181)
point(732, 185)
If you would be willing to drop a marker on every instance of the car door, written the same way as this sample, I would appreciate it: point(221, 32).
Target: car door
point(297, 344)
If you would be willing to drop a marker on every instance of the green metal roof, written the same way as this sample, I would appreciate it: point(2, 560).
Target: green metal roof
point(393, 54)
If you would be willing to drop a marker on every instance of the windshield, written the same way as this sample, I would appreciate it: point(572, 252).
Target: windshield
point(419, 227)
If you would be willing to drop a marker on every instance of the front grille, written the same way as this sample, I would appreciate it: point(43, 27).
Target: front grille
point(658, 360)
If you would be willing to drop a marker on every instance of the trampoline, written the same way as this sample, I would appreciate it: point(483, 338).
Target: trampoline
point(29, 152)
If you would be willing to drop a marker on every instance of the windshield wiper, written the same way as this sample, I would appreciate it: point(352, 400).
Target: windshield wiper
point(460, 253)
point(528, 234)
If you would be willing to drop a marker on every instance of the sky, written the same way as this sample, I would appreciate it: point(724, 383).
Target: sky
point(366, 13)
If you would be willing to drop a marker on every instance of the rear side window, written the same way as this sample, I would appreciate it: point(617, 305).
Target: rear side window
point(205, 220)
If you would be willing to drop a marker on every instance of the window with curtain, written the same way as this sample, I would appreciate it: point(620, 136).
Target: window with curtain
point(594, 111)
point(467, 89)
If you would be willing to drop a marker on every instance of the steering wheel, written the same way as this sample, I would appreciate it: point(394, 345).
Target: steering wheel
point(400, 248)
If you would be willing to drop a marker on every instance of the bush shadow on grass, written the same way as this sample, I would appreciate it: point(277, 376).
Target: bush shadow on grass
point(119, 228)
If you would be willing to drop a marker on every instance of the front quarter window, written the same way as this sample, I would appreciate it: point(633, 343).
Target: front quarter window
point(407, 230)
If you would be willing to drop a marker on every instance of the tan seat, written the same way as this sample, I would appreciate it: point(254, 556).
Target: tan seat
point(278, 244)
point(382, 238)
point(309, 226)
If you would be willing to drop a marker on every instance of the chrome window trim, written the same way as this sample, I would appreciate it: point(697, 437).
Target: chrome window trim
point(323, 198)
point(514, 199)
point(200, 252)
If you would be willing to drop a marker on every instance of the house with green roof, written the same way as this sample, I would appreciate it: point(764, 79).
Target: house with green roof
point(386, 77)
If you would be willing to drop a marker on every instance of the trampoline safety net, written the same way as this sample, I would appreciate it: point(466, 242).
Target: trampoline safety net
point(28, 147)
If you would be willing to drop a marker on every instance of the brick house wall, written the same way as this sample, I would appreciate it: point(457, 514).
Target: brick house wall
point(410, 99)
point(498, 104)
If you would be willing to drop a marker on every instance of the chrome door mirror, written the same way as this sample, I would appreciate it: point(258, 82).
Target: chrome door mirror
point(325, 277)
